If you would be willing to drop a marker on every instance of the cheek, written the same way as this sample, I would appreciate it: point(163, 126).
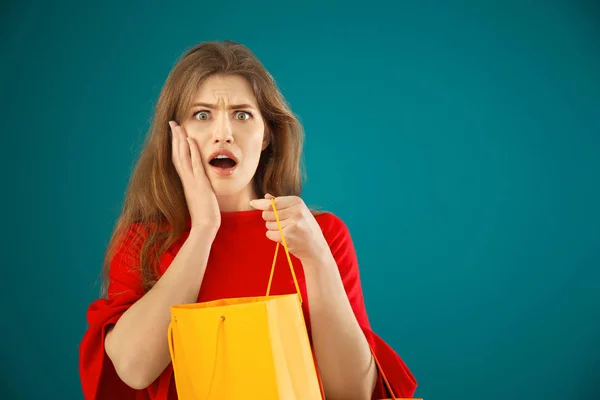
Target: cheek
point(202, 141)
point(252, 143)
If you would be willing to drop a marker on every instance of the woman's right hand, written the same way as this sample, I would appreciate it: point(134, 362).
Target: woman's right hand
point(199, 194)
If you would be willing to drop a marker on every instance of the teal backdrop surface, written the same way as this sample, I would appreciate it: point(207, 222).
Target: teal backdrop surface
point(458, 140)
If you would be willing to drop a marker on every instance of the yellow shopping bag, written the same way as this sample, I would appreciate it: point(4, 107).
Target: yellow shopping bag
point(244, 348)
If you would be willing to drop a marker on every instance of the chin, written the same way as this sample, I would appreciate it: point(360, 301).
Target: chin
point(228, 187)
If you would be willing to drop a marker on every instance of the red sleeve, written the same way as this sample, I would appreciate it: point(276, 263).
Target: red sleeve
point(399, 376)
point(99, 379)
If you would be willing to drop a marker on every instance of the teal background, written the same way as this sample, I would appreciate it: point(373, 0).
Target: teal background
point(458, 140)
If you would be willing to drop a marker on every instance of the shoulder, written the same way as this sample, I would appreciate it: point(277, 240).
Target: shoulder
point(338, 238)
point(130, 239)
point(334, 228)
point(329, 221)
point(136, 232)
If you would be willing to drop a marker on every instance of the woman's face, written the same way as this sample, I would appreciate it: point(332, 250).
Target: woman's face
point(225, 121)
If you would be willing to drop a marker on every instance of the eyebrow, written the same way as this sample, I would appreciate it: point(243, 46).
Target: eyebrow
point(231, 107)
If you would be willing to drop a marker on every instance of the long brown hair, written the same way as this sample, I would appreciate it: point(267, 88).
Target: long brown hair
point(155, 199)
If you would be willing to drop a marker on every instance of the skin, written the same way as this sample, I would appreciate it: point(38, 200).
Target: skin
point(136, 344)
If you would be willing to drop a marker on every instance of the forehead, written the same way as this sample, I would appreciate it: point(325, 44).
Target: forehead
point(228, 88)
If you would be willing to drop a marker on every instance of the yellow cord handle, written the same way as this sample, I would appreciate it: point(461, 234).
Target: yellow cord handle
point(287, 254)
point(385, 380)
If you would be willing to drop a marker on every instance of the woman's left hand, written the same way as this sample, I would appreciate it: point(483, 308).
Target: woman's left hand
point(302, 233)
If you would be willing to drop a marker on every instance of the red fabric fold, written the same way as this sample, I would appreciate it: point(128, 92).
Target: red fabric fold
point(99, 379)
point(401, 380)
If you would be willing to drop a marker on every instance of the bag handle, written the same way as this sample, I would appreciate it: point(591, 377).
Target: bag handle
point(287, 253)
point(385, 380)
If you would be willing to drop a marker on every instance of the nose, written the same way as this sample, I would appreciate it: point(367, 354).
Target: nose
point(222, 131)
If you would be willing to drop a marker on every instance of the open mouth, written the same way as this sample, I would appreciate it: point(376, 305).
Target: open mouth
point(222, 161)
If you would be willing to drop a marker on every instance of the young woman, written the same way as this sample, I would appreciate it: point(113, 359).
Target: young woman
point(197, 225)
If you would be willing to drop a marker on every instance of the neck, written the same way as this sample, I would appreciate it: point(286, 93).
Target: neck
point(237, 201)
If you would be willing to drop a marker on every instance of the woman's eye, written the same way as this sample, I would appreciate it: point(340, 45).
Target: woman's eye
point(201, 115)
point(243, 115)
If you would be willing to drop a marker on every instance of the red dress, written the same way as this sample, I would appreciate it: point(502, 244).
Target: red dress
point(242, 253)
